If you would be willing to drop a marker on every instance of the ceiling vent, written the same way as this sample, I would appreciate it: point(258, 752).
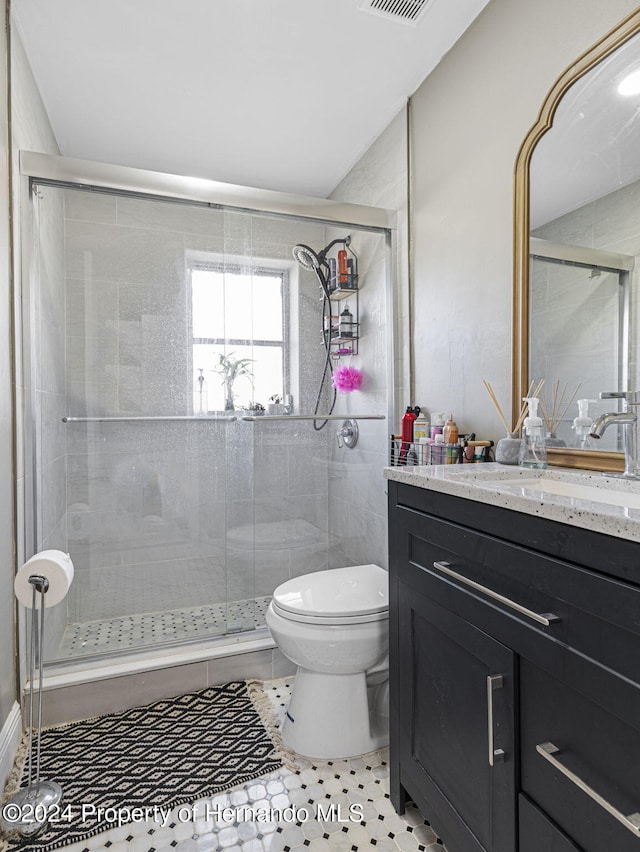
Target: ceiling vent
point(405, 11)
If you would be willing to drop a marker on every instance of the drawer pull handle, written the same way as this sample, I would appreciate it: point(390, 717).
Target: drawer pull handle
point(493, 682)
point(631, 822)
point(545, 618)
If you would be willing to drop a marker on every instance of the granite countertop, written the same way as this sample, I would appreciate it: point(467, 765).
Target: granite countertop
point(583, 499)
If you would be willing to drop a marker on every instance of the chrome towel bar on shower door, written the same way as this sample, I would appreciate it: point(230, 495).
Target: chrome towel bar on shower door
point(194, 417)
point(260, 417)
point(224, 418)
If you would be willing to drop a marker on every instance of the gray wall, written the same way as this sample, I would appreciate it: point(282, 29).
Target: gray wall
point(469, 119)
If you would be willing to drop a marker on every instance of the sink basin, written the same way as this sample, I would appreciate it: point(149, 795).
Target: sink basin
point(581, 492)
point(609, 491)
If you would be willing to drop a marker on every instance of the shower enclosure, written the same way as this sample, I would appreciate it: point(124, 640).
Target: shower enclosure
point(160, 316)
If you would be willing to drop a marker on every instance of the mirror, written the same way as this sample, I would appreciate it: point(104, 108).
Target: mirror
point(577, 246)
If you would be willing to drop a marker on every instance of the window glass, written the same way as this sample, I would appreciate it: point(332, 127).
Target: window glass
point(238, 314)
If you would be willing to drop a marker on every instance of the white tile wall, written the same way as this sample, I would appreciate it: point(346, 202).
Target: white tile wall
point(356, 488)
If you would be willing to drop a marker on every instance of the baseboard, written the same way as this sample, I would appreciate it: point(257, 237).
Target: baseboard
point(9, 740)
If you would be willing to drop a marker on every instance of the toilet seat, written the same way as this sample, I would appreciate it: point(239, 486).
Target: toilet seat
point(352, 595)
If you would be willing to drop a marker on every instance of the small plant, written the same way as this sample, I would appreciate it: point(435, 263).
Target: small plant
point(229, 369)
point(276, 399)
point(256, 407)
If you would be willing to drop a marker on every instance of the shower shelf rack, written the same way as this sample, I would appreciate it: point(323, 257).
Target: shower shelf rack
point(346, 345)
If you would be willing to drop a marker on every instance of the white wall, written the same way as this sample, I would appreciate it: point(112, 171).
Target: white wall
point(469, 119)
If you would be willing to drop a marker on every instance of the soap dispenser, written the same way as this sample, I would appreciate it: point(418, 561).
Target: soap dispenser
point(582, 425)
point(533, 452)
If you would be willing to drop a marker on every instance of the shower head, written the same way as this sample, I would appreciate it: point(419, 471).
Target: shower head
point(306, 257)
point(309, 259)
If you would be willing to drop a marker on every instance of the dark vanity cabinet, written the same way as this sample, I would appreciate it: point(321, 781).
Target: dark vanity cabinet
point(515, 677)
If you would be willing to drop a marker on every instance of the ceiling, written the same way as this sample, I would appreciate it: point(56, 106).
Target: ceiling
point(277, 94)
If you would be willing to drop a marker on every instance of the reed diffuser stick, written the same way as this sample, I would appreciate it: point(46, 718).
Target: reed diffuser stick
point(554, 415)
point(534, 390)
point(494, 400)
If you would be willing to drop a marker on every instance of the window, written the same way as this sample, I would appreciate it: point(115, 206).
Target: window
point(239, 312)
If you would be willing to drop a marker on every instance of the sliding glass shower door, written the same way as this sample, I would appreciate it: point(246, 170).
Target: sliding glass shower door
point(154, 326)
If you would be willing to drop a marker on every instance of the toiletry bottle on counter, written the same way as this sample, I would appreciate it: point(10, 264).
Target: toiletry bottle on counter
point(420, 427)
point(438, 450)
point(437, 424)
point(533, 452)
point(450, 431)
point(408, 419)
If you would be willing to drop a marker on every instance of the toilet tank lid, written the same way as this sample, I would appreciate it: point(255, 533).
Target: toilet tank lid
point(354, 590)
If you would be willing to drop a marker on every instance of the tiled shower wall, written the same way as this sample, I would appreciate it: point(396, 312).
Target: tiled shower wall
point(357, 490)
point(167, 515)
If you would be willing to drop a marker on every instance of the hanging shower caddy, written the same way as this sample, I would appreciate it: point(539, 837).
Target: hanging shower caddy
point(343, 326)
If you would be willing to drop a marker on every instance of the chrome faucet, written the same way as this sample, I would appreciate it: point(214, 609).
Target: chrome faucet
point(628, 419)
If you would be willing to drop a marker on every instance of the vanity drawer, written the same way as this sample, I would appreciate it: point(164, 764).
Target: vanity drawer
point(596, 615)
point(537, 833)
point(579, 763)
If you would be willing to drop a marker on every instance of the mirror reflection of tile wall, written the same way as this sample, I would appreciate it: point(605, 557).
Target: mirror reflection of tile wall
point(573, 314)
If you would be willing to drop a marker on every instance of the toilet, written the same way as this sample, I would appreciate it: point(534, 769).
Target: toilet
point(334, 626)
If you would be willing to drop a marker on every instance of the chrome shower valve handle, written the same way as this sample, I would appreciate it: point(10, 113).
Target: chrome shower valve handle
point(347, 434)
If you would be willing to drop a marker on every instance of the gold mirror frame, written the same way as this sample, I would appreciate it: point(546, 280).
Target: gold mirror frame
point(590, 459)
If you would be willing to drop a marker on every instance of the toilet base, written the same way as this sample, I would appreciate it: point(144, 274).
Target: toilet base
point(328, 717)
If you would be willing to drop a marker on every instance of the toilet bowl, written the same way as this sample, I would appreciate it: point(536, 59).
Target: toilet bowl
point(334, 626)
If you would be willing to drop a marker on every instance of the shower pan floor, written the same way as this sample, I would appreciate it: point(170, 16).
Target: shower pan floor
point(110, 635)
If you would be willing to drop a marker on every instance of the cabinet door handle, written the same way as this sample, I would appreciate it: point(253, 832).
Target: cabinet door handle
point(631, 822)
point(493, 682)
point(545, 618)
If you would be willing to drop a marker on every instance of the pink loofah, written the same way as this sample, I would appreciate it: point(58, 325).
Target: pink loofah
point(347, 379)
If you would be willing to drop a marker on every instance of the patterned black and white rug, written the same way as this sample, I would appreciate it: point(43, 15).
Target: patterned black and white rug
point(158, 757)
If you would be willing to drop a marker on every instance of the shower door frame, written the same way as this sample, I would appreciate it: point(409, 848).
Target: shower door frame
point(69, 173)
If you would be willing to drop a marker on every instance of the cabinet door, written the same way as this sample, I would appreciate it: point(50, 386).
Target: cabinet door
point(456, 731)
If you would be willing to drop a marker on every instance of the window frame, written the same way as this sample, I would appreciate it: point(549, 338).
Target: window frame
point(261, 269)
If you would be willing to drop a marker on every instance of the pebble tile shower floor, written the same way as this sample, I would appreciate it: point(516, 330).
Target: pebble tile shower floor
point(107, 635)
point(363, 780)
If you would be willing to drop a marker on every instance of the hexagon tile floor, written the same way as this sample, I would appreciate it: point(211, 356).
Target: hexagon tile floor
point(315, 803)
